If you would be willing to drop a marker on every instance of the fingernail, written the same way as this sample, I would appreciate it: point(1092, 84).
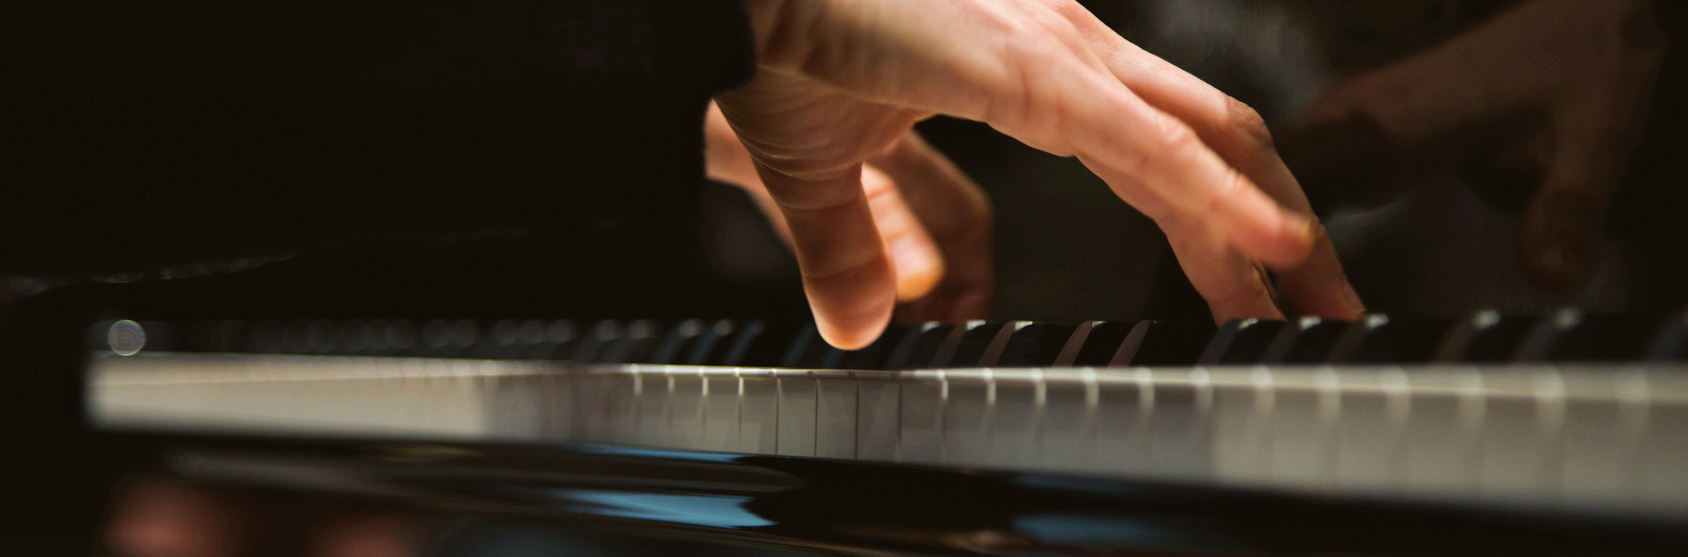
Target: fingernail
point(1304, 231)
point(1352, 298)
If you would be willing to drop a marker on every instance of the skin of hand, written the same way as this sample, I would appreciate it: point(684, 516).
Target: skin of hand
point(841, 82)
point(935, 222)
point(1552, 89)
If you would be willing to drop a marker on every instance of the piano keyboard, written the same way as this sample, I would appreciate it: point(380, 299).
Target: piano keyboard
point(1566, 411)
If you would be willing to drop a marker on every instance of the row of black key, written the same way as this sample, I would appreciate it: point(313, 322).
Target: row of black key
point(1487, 337)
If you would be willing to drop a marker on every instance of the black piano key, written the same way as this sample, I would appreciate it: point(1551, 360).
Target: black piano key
point(764, 344)
point(219, 336)
point(1670, 342)
point(874, 356)
point(402, 337)
point(976, 338)
point(1241, 341)
point(640, 340)
point(561, 336)
point(510, 339)
point(1385, 339)
point(1163, 343)
point(809, 351)
point(442, 338)
point(677, 342)
point(1102, 343)
point(596, 341)
point(712, 345)
point(1485, 337)
point(1572, 336)
point(1034, 344)
point(830, 356)
point(930, 345)
point(498, 342)
point(999, 342)
point(350, 338)
point(1307, 340)
point(268, 337)
point(738, 347)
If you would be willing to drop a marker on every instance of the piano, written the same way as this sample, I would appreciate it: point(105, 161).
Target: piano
point(1564, 433)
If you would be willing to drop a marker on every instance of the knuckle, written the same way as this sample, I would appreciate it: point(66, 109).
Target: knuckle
point(1177, 140)
point(1247, 121)
point(1233, 185)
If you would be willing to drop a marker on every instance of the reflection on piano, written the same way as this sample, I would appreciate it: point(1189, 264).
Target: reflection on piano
point(1564, 413)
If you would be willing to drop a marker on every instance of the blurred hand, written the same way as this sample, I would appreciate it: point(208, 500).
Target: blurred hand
point(153, 517)
point(842, 81)
point(1553, 89)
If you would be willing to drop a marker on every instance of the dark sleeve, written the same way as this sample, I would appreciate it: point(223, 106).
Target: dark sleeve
point(139, 132)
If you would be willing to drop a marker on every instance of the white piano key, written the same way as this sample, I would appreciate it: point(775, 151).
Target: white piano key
point(514, 407)
point(966, 417)
point(653, 390)
point(1441, 453)
point(1242, 418)
point(835, 415)
point(1514, 462)
point(722, 401)
point(796, 413)
point(878, 404)
point(1664, 441)
point(609, 405)
point(1600, 460)
point(1371, 435)
point(1124, 409)
point(759, 413)
point(1068, 426)
point(618, 402)
point(922, 398)
point(1180, 443)
point(1302, 432)
point(1014, 433)
point(558, 405)
point(685, 410)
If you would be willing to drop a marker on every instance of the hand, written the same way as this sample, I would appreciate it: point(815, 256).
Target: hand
point(934, 221)
point(842, 81)
point(1553, 89)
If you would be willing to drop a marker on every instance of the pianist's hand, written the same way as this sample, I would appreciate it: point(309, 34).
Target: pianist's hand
point(1555, 91)
point(935, 222)
point(842, 81)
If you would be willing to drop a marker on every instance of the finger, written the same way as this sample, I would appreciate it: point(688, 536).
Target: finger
point(918, 263)
point(957, 215)
point(727, 161)
point(1564, 225)
point(1318, 286)
point(1234, 286)
point(1042, 91)
point(850, 282)
point(725, 158)
point(1235, 132)
point(1160, 165)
